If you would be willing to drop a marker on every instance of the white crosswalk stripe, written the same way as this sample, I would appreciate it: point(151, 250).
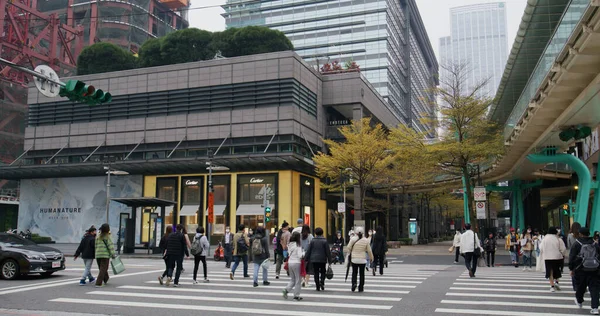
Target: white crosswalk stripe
point(508, 291)
point(238, 296)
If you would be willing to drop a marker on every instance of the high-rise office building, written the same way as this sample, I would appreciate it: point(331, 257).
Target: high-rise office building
point(386, 38)
point(478, 41)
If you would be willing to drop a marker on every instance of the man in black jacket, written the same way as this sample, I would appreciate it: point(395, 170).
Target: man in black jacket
point(176, 248)
point(87, 251)
point(584, 279)
point(319, 256)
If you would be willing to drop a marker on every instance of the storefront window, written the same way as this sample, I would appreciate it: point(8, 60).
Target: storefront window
point(307, 200)
point(191, 200)
point(221, 202)
point(252, 189)
point(166, 188)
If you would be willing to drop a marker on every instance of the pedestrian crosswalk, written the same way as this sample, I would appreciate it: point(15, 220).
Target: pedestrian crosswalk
point(238, 296)
point(509, 291)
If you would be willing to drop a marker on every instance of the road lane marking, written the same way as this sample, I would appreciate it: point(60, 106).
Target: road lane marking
point(516, 282)
point(362, 296)
point(503, 290)
point(37, 284)
point(535, 297)
point(37, 287)
point(513, 304)
point(240, 300)
point(492, 312)
point(503, 285)
point(223, 309)
point(368, 285)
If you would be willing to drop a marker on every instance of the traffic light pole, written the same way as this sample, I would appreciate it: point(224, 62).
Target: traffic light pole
point(265, 206)
point(36, 74)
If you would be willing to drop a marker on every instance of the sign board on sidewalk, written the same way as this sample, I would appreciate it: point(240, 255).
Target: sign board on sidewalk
point(341, 207)
point(480, 208)
point(479, 193)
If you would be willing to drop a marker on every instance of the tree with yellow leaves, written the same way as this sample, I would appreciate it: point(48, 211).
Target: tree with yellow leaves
point(364, 153)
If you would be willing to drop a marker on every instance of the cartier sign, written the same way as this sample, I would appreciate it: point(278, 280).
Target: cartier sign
point(257, 180)
point(191, 182)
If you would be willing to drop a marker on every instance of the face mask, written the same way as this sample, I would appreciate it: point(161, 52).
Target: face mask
point(373, 232)
point(529, 231)
point(227, 230)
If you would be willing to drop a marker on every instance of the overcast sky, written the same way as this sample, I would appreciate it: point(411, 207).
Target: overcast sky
point(435, 14)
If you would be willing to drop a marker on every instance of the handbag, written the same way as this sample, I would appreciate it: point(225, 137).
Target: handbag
point(285, 264)
point(481, 262)
point(329, 273)
point(476, 249)
point(303, 268)
point(266, 264)
point(117, 265)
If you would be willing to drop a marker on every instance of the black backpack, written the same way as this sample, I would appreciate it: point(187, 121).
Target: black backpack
point(242, 247)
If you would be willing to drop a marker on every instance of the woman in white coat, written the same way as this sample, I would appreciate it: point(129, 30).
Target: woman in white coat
point(553, 250)
point(456, 244)
point(358, 246)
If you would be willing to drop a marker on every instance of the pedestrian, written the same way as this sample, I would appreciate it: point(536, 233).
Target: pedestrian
point(87, 251)
point(295, 258)
point(573, 235)
point(260, 251)
point(527, 247)
point(163, 248)
point(456, 244)
point(338, 243)
point(537, 241)
point(379, 248)
point(176, 248)
point(104, 251)
point(307, 237)
point(596, 236)
point(274, 245)
point(357, 246)
point(299, 225)
point(583, 263)
point(553, 250)
point(200, 248)
point(489, 245)
point(227, 242)
point(470, 247)
point(250, 237)
point(511, 246)
point(283, 236)
point(369, 238)
point(187, 242)
point(241, 243)
point(319, 255)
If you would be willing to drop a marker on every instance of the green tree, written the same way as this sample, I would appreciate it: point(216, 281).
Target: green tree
point(104, 57)
point(187, 45)
point(470, 138)
point(149, 53)
point(223, 42)
point(257, 40)
point(364, 153)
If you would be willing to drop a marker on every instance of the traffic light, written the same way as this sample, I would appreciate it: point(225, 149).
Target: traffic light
point(267, 214)
point(78, 91)
point(565, 209)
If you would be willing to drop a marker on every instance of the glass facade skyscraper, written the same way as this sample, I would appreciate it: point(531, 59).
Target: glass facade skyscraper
point(386, 38)
point(478, 40)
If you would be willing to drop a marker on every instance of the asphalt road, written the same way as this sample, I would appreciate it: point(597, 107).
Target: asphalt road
point(404, 289)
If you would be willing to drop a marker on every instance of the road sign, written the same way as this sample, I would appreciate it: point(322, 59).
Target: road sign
point(45, 87)
point(480, 207)
point(479, 193)
point(341, 207)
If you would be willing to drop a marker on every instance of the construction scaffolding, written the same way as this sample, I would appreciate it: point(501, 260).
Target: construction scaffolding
point(54, 32)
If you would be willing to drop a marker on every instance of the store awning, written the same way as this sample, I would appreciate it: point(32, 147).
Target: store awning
point(188, 210)
point(218, 209)
point(250, 209)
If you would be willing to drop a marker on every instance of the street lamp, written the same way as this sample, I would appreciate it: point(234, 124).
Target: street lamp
point(110, 171)
point(211, 200)
point(343, 178)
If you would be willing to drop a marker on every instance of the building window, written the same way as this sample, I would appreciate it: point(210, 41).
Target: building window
point(307, 200)
point(191, 199)
point(251, 193)
point(166, 189)
point(221, 203)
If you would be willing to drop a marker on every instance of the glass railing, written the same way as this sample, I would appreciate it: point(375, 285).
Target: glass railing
point(559, 39)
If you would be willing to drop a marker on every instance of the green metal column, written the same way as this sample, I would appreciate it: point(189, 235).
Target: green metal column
point(583, 173)
point(465, 202)
point(595, 220)
point(519, 194)
point(513, 210)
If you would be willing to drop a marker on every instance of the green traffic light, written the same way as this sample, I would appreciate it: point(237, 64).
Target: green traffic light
point(78, 91)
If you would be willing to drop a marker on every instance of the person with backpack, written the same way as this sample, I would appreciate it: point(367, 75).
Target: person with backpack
point(200, 248)
point(283, 236)
point(260, 252)
point(241, 243)
point(176, 248)
point(584, 263)
point(87, 250)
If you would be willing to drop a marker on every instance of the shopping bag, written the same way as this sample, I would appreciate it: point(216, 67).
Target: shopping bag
point(117, 265)
point(266, 264)
point(481, 262)
point(451, 249)
point(329, 273)
point(303, 268)
point(285, 264)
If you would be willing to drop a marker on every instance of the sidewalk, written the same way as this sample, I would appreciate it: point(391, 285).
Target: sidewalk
point(69, 250)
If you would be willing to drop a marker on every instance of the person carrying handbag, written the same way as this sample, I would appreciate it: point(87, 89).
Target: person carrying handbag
point(470, 247)
point(104, 251)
